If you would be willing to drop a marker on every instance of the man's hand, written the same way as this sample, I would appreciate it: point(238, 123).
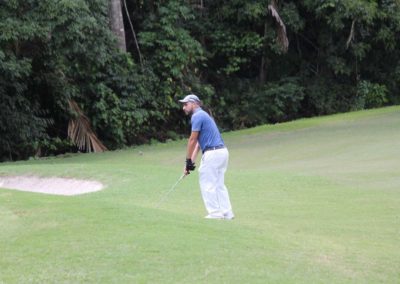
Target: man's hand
point(190, 166)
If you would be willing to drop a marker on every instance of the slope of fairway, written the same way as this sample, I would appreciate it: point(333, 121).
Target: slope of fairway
point(316, 201)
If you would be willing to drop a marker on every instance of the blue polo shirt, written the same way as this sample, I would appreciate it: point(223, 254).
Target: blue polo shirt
point(209, 135)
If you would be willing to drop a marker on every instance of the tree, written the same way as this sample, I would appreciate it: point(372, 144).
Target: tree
point(343, 55)
point(53, 53)
point(174, 56)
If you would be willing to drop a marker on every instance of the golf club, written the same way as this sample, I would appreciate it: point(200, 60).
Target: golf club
point(164, 197)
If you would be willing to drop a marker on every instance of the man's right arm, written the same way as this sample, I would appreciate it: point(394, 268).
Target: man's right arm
point(195, 152)
point(192, 142)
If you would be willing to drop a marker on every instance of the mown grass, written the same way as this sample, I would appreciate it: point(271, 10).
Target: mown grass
point(316, 201)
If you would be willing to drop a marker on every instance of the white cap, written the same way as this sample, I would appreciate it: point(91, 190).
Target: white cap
point(190, 98)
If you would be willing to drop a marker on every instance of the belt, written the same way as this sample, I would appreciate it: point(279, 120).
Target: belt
point(213, 148)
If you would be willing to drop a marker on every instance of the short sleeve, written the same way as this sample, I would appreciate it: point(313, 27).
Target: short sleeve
point(196, 123)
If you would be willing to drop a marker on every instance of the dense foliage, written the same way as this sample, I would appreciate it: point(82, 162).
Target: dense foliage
point(342, 55)
point(56, 51)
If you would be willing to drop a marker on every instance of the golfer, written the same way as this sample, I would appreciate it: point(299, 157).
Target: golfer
point(214, 162)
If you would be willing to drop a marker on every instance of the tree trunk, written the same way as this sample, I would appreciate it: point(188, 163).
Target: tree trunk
point(117, 23)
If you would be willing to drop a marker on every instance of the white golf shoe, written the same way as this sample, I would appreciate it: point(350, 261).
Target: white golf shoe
point(229, 216)
point(211, 216)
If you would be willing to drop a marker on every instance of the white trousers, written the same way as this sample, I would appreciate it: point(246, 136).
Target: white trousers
point(212, 182)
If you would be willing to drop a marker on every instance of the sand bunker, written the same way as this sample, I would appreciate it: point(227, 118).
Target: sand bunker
point(52, 185)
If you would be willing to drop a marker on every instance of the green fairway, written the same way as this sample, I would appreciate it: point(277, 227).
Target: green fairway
point(316, 201)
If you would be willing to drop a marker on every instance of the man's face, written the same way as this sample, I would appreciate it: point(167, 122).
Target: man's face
point(188, 108)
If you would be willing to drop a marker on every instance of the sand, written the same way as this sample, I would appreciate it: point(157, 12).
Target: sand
point(50, 185)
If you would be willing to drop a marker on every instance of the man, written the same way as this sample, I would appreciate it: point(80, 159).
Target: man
point(214, 162)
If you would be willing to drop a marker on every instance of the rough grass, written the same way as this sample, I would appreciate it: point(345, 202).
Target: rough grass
point(317, 201)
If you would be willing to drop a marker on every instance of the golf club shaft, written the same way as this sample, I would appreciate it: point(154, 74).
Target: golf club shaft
point(164, 197)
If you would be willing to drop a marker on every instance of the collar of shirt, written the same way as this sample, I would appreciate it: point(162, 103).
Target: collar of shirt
point(196, 110)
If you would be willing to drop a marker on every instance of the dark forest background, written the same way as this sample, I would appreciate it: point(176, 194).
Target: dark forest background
point(91, 75)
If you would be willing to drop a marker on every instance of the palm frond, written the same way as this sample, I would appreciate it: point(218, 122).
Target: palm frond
point(81, 133)
point(281, 28)
point(351, 35)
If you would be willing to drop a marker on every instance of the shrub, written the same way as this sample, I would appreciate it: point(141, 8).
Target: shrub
point(371, 95)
